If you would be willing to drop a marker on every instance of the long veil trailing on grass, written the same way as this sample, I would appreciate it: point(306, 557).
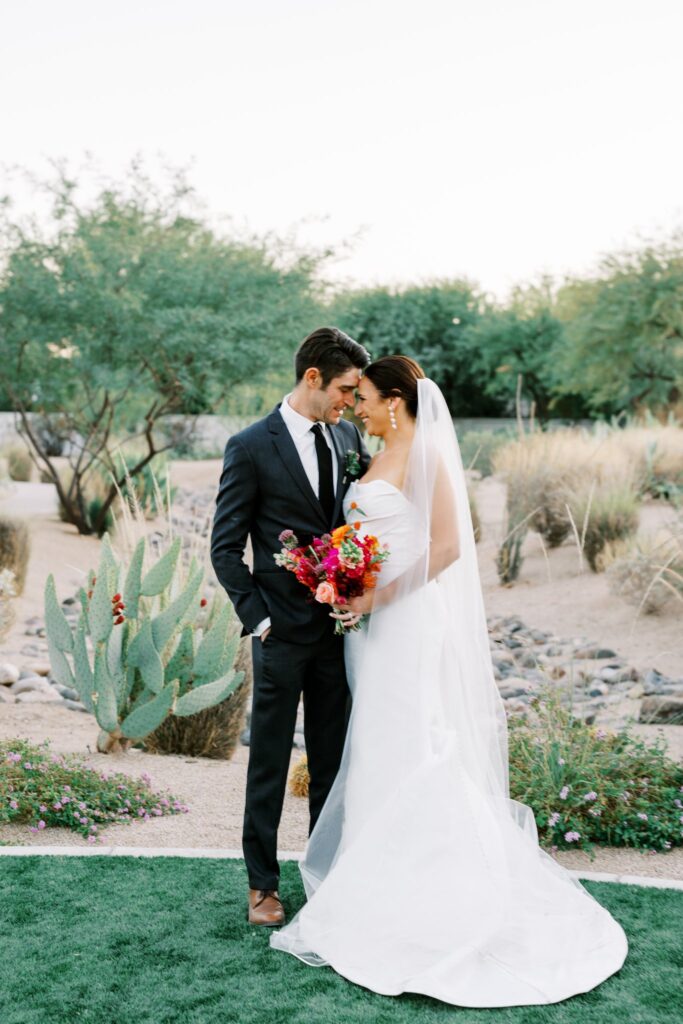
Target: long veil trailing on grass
point(422, 874)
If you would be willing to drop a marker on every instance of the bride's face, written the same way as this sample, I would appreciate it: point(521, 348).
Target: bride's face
point(371, 408)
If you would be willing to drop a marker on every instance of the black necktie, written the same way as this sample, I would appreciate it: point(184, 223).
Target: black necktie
point(325, 480)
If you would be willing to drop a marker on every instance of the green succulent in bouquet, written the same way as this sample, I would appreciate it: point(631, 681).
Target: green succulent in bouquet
point(146, 645)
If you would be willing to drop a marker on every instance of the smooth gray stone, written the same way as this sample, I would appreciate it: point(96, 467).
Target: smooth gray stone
point(9, 673)
point(30, 683)
point(592, 651)
point(665, 709)
point(74, 705)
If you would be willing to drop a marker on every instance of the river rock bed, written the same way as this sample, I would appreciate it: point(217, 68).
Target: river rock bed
point(601, 686)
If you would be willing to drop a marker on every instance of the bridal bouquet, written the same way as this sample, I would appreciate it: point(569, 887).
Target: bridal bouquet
point(335, 567)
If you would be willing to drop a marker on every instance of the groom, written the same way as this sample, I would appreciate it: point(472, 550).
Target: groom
point(289, 471)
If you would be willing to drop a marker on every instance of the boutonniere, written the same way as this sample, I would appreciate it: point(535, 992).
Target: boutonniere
point(351, 465)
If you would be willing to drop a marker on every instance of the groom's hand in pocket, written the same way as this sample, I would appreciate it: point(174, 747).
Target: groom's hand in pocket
point(264, 635)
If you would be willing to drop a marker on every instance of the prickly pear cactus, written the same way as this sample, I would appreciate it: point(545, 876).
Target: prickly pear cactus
point(146, 645)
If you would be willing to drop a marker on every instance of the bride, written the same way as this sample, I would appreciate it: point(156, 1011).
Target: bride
point(422, 875)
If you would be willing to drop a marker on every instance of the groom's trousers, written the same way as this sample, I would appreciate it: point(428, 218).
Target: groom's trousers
point(282, 670)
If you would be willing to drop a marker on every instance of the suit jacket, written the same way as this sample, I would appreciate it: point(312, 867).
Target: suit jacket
point(263, 491)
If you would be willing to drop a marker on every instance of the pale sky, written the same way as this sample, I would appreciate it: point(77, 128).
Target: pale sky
point(496, 139)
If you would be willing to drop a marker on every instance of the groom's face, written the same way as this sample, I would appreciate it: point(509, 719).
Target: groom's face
point(339, 395)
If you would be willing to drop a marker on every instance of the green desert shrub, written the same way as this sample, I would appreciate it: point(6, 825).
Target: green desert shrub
point(213, 732)
point(477, 448)
point(151, 488)
point(606, 517)
point(15, 549)
point(42, 789)
point(589, 786)
point(19, 462)
point(149, 492)
point(94, 490)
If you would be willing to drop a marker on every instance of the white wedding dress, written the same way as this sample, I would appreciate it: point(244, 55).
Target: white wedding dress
point(420, 876)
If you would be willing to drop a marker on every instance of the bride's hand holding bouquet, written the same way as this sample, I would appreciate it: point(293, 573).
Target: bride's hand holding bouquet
point(339, 569)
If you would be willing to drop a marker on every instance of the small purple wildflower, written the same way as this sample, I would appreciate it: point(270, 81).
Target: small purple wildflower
point(590, 796)
point(564, 792)
point(643, 817)
point(553, 819)
point(572, 837)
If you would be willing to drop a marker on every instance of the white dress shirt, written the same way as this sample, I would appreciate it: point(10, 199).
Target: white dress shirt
point(300, 430)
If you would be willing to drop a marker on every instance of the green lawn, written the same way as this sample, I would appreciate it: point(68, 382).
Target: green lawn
point(114, 940)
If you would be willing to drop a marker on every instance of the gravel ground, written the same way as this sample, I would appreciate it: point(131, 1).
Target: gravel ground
point(214, 793)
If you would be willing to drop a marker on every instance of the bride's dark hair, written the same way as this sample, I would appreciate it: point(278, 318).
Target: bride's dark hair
point(396, 375)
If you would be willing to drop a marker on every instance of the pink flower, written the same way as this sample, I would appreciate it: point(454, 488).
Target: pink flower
point(13, 804)
point(326, 594)
point(643, 817)
point(92, 839)
point(572, 837)
point(41, 824)
point(590, 796)
point(564, 792)
point(554, 818)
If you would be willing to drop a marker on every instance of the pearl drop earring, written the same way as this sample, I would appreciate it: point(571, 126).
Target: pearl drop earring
point(392, 418)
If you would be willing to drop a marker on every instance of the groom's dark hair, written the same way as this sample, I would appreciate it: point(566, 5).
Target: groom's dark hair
point(332, 352)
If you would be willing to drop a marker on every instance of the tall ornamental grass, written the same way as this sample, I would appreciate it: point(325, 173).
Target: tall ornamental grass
point(649, 574)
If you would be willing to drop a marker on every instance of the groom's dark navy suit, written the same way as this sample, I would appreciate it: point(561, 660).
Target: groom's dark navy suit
point(264, 490)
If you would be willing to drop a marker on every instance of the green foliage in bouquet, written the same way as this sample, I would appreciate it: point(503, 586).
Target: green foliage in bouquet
point(146, 645)
point(589, 786)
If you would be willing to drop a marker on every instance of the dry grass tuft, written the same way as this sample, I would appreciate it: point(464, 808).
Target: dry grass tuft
point(15, 549)
point(299, 777)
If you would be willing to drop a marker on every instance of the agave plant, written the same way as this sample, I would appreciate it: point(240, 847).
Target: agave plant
point(147, 644)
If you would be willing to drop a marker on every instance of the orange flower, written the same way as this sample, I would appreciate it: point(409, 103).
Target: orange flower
point(356, 526)
point(339, 534)
point(353, 505)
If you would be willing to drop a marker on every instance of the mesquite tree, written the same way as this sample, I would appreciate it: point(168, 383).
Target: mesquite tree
point(121, 310)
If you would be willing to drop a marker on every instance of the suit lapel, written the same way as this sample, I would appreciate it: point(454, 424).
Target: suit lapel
point(338, 442)
point(286, 449)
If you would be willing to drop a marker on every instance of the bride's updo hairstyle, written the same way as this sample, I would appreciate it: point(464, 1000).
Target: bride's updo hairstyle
point(396, 376)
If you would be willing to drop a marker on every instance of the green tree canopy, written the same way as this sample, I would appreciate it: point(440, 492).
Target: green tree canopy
point(128, 307)
point(521, 339)
point(428, 323)
point(625, 331)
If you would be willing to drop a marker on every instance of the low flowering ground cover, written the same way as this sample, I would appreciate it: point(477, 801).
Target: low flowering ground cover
point(589, 786)
point(43, 790)
point(115, 940)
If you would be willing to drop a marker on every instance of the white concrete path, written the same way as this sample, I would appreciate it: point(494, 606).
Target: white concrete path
point(216, 854)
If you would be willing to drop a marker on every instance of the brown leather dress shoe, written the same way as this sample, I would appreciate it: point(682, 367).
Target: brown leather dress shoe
point(265, 908)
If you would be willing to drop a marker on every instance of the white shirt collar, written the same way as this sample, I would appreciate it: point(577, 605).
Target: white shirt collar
point(298, 425)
